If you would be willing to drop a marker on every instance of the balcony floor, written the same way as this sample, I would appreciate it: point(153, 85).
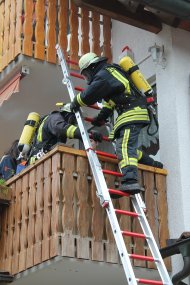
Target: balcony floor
point(68, 271)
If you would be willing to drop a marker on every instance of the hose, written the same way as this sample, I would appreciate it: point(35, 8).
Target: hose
point(153, 117)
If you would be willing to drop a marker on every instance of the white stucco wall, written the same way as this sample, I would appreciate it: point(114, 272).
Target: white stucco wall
point(173, 112)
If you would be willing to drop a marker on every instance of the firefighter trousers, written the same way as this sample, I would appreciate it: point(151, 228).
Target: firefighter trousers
point(127, 152)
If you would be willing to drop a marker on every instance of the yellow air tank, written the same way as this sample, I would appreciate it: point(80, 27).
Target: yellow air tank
point(136, 76)
point(28, 132)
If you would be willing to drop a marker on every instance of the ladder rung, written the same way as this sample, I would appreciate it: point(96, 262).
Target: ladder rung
point(78, 88)
point(141, 257)
point(132, 234)
point(127, 213)
point(118, 192)
point(106, 171)
point(106, 154)
point(146, 281)
point(76, 75)
point(103, 138)
point(72, 62)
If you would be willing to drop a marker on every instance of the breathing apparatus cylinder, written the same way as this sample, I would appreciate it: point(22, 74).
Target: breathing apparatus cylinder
point(140, 83)
point(28, 133)
point(135, 75)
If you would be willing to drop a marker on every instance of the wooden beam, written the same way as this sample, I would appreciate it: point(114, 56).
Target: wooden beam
point(142, 19)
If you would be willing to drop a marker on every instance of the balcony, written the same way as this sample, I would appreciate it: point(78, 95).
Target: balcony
point(54, 213)
point(33, 28)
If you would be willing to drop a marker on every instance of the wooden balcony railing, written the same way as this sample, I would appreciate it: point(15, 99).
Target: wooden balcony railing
point(54, 211)
point(33, 27)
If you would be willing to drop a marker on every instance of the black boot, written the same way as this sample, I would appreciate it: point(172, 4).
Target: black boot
point(147, 160)
point(130, 188)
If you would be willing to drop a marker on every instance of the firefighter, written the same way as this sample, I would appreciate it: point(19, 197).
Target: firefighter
point(56, 128)
point(8, 163)
point(108, 83)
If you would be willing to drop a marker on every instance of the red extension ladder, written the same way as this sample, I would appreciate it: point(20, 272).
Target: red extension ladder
point(104, 195)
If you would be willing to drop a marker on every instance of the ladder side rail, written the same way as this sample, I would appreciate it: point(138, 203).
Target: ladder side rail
point(151, 241)
point(101, 185)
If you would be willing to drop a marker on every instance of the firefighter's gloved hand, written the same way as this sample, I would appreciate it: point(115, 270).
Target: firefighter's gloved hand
point(97, 122)
point(74, 107)
point(96, 136)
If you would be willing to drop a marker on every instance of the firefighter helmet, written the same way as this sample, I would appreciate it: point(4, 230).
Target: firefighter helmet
point(66, 108)
point(87, 59)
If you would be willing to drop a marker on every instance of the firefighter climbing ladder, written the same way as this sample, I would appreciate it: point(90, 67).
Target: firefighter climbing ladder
point(105, 200)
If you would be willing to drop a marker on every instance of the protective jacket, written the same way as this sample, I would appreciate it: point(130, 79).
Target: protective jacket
point(7, 167)
point(53, 129)
point(110, 84)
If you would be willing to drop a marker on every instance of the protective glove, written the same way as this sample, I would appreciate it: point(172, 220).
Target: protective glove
point(97, 122)
point(96, 136)
point(74, 107)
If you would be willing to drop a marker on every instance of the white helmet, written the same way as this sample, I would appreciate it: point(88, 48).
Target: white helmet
point(66, 108)
point(87, 59)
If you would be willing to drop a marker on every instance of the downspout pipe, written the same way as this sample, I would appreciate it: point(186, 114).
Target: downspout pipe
point(178, 8)
point(185, 272)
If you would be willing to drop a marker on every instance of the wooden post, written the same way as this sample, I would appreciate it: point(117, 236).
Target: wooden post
point(6, 33)
point(107, 38)
point(68, 187)
point(47, 210)
point(2, 27)
point(74, 44)
point(162, 214)
point(63, 17)
point(150, 204)
point(56, 203)
point(85, 46)
point(12, 31)
point(41, 18)
point(83, 215)
point(27, 28)
point(40, 192)
point(51, 34)
point(18, 27)
point(96, 33)
point(24, 223)
point(98, 226)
